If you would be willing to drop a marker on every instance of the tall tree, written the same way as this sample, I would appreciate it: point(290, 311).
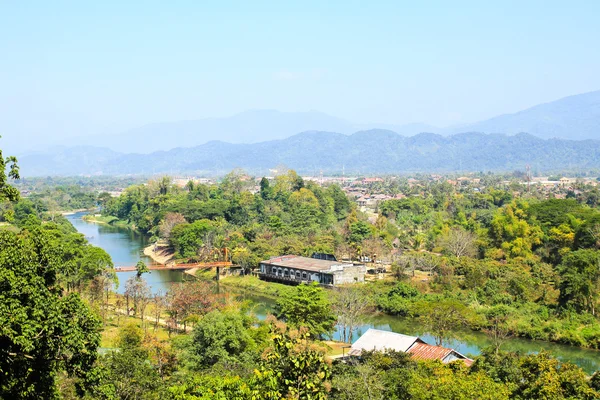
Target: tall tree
point(580, 280)
point(307, 306)
point(42, 332)
point(292, 368)
point(349, 304)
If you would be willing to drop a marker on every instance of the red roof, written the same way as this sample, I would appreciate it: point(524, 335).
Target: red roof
point(424, 351)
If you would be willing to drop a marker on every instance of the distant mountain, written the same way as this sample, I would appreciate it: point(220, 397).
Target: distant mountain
point(246, 127)
point(574, 117)
point(365, 152)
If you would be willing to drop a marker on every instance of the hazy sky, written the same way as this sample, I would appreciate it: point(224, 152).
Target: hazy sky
point(85, 67)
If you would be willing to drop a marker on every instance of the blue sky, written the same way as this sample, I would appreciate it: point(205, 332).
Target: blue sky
point(83, 67)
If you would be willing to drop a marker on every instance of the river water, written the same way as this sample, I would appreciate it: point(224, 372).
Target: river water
point(126, 248)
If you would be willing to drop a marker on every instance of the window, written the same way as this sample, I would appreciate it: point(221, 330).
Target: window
point(274, 270)
point(304, 275)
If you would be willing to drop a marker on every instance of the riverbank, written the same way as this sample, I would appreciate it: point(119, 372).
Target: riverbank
point(99, 219)
point(160, 254)
point(253, 285)
point(79, 210)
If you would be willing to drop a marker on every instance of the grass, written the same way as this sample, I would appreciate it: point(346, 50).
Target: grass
point(254, 285)
point(335, 348)
point(113, 323)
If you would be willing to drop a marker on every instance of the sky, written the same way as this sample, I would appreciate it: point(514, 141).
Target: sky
point(74, 68)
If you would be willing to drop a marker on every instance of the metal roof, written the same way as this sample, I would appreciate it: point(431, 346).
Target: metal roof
point(424, 351)
point(304, 263)
point(375, 339)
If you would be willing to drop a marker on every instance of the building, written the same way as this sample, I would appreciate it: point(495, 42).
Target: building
point(424, 351)
point(378, 340)
point(297, 269)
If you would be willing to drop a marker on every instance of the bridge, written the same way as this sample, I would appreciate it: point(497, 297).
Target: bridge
point(203, 265)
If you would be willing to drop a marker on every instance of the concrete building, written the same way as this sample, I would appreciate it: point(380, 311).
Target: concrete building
point(297, 269)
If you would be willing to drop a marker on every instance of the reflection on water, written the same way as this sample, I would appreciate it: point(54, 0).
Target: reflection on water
point(126, 247)
point(469, 343)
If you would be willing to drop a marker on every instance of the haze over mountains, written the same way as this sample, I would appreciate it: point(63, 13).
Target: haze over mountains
point(365, 152)
point(258, 140)
point(246, 127)
point(574, 117)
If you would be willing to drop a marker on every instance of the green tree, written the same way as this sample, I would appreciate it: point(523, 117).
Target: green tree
point(8, 192)
point(443, 317)
point(306, 306)
point(266, 192)
point(219, 336)
point(292, 368)
point(127, 373)
point(580, 280)
point(497, 324)
point(141, 268)
point(42, 332)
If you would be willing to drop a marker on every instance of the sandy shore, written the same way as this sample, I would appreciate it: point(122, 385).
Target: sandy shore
point(64, 213)
point(159, 253)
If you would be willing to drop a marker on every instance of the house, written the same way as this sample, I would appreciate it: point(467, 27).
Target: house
point(296, 269)
point(368, 181)
point(375, 339)
point(362, 201)
point(424, 351)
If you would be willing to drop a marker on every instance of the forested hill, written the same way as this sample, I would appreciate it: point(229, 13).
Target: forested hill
point(374, 151)
point(574, 117)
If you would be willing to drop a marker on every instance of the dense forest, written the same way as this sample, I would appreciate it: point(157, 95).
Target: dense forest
point(503, 262)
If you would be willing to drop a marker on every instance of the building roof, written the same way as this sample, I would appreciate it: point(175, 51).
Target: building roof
point(375, 339)
point(424, 351)
point(305, 263)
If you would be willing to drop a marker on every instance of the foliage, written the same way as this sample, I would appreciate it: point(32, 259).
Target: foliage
point(292, 368)
point(580, 283)
point(42, 331)
point(219, 336)
point(307, 306)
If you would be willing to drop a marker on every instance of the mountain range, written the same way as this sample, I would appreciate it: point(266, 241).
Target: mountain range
point(574, 117)
point(365, 152)
point(247, 127)
point(551, 136)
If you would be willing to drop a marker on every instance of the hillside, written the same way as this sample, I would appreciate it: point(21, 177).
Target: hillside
point(364, 152)
point(574, 117)
point(247, 127)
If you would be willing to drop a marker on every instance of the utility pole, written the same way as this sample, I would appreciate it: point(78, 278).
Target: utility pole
point(528, 169)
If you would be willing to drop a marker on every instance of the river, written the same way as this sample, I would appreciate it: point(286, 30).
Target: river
point(126, 248)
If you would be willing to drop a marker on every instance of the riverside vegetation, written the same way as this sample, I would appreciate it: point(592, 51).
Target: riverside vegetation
point(518, 261)
point(507, 262)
